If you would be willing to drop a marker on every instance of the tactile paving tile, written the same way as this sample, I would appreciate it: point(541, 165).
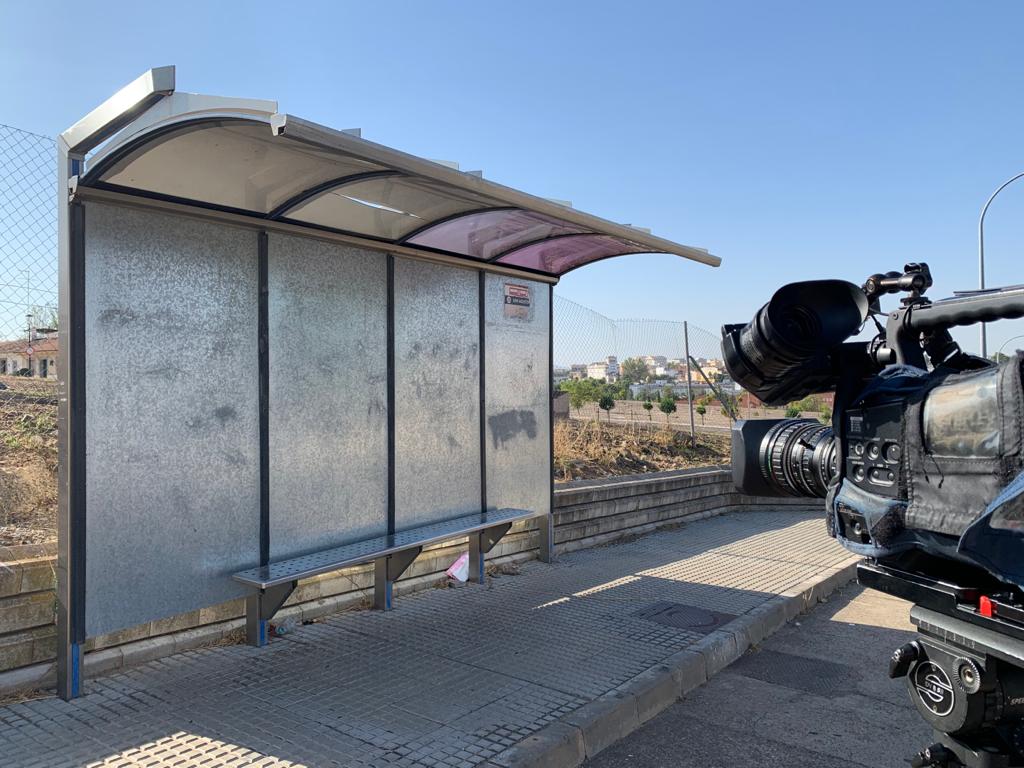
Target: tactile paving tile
point(449, 678)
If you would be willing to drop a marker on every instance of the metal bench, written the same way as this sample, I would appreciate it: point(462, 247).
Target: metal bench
point(391, 555)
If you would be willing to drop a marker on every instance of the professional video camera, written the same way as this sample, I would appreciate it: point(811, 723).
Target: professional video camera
point(922, 470)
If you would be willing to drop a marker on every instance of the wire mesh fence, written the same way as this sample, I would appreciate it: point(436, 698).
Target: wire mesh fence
point(583, 336)
point(651, 356)
point(28, 338)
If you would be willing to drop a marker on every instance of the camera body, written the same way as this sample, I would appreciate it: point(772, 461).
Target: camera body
point(924, 438)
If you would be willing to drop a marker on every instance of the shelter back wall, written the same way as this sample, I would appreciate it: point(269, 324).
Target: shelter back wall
point(328, 394)
point(172, 420)
point(517, 390)
point(437, 393)
point(172, 399)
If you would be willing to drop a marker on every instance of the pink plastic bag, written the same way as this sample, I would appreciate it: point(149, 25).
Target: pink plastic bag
point(459, 570)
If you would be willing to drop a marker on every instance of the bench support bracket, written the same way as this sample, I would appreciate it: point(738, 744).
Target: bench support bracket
point(480, 543)
point(386, 571)
point(260, 608)
point(546, 538)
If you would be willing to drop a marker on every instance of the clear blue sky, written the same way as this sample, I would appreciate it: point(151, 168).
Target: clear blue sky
point(795, 140)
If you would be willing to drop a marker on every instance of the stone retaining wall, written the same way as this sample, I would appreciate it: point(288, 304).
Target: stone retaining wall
point(587, 513)
point(27, 604)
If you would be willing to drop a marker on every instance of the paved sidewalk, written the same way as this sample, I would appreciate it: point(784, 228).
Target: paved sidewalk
point(815, 694)
point(450, 678)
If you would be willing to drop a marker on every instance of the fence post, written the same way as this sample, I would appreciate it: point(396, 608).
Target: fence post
point(689, 389)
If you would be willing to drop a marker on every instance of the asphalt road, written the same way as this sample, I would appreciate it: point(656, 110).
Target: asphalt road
point(815, 694)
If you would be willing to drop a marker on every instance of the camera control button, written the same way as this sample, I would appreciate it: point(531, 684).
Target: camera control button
point(858, 449)
point(858, 473)
point(892, 452)
point(873, 451)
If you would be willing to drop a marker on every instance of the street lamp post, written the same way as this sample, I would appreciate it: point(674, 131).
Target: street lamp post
point(981, 249)
point(1020, 336)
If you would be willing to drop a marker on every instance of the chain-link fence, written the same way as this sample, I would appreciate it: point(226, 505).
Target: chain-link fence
point(651, 355)
point(28, 338)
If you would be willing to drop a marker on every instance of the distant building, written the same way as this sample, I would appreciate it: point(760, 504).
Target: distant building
point(15, 356)
point(604, 371)
point(654, 361)
point(578, 371)
point(560, 374)
point(711, 367)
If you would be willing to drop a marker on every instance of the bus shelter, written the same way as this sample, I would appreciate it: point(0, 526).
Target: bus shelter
point(281, 340)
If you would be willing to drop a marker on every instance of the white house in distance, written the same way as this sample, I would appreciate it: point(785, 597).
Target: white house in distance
point(38, 357)
point(607, 370)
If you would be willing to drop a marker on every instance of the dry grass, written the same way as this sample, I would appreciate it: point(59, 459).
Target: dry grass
point(28, 461)
point(590, 449)
point(20, 697)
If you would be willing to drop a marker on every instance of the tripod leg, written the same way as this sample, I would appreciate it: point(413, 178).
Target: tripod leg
point(936, 756)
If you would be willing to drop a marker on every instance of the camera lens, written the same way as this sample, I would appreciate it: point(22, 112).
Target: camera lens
point(798, 457)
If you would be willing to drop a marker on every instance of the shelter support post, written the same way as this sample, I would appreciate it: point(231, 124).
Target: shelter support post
point(386, 571)
point(480, 543)
point(260, 608)
point(71, 432)
point(546, 524)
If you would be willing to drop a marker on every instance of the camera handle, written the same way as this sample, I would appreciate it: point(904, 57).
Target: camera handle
point(905, 325)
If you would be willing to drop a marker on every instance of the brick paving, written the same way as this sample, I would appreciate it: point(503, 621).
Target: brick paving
point(450, 678)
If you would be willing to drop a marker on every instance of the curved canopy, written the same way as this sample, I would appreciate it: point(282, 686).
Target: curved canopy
point(245, 158)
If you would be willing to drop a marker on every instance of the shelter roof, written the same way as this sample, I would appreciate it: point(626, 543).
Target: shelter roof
point(244, 157)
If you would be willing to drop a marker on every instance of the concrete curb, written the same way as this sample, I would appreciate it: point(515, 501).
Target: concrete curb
point(606, 720)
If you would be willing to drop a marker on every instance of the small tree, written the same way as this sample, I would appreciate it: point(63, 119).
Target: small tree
point(606, 403)
point(792, 411)
point(701, 410)
point(581, 392)
point(648, 406)
point(632, 371)
point(667, 406)
point(825, 414)
point(577, 398)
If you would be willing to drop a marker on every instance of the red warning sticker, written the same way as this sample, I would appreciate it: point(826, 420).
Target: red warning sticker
point(518, 300)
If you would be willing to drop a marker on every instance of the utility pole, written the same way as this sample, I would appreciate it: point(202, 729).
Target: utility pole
point(689, 389)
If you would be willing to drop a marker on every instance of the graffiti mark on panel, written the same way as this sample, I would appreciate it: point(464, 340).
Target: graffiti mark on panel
point(508, 425)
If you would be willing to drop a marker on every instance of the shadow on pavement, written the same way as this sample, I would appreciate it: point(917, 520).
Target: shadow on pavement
point(815, 694)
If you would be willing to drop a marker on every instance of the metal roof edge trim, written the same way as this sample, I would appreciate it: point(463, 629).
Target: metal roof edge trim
point(272, 225)
point(120, 109)
point(321, 136)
